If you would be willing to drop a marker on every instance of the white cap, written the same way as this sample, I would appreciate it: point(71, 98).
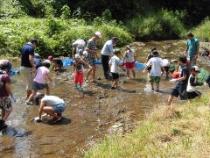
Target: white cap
point(47, 61)
point(98, 34)
point(77, 56)
point(196, 68)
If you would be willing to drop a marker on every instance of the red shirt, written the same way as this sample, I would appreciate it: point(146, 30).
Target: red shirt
point(4, 78)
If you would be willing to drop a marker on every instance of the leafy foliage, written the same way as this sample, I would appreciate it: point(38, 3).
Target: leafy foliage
point(159, 25)
point(55, 36)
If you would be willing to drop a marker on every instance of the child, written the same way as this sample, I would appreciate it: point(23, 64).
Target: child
point(181, 85)
point(129, 60)
point(5, 96)
point(192, 83)
point(57, 64)
point(155, 73)
point(114, 63)
point(51, 105)
point(78, 73)
point(40, 80)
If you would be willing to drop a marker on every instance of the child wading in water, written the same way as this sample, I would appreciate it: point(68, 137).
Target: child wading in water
point(78, 73)
point(114, 63)
point(40, 80)
point(155, 73)
point(129, 60)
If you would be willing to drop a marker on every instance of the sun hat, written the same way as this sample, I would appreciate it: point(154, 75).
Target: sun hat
point(98, 34)
point(77, 56)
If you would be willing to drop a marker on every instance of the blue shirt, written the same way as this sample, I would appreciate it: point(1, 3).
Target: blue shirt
point(25, 52)
point(107, 48)
point(192, 47)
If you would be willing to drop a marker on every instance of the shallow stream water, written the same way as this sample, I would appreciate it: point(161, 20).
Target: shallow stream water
point(86, 121)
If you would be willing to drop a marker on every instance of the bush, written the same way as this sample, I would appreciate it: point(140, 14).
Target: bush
point(203, 30)
point(55, 36)
point(161, 25)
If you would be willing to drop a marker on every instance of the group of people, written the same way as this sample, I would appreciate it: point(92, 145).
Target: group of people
point(36, 73)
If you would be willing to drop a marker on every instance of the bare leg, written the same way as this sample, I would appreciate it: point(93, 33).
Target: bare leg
point(28, 93)
point(6, 114)
point(88, 74)
point(93, 73)
point(152, 85)
point(128, 73)
point(31, 96)
point(49, 110)
point(170, 99)
point(134, 73)
point(157, 87)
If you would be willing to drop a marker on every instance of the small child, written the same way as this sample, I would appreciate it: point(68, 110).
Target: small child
point(129, 60)
point(114, 63)
point(192, 83)
point(57, 64)
point(78, 73)
point(40, 80)
point(155, 73)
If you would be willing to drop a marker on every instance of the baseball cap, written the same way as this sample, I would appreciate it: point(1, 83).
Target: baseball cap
point(196, 68)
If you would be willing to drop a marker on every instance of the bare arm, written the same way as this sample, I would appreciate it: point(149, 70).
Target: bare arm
point(42, 104)
point(31, 60)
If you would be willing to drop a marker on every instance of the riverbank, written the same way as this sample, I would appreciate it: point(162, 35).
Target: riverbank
point(182, 132)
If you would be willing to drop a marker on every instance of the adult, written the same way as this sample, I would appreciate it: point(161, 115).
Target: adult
point(57, 64)
point(92, 54)
point(106, 54)
point(27, 64)
point(192, 49)
point(79, 47)
point(5, 99)
point(51, 105)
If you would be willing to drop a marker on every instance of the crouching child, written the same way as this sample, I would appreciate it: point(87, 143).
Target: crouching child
point(193, 83)
point(50, 105)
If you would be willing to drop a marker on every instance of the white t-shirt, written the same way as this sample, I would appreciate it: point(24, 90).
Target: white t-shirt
point(53, 101)
point(156, 64)
point(114, 62)
point(107, 48)
point(129, 56)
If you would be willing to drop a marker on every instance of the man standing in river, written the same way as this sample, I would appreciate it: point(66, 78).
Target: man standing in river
point(106, 54)
point(192, 49)
point(27, 64)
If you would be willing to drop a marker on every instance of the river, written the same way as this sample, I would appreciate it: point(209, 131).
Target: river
point(87, 121)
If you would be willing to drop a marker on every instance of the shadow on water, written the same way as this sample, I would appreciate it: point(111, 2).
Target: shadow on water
point(63, 121)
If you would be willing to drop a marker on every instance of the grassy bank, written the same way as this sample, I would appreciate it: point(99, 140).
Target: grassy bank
point(203, 30)
point(184, 132)
point(55, 36)
point(160, 25)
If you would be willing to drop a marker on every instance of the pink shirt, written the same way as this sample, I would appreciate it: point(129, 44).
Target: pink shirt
point(42, 75)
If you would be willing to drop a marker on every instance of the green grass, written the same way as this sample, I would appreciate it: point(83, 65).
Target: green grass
point(55, 36)
point(203, 30)
point(157, 25)
point(182, 132)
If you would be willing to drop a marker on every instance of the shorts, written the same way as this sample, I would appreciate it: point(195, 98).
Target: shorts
point(155, 79)
point(79, 78)
point(180, 90)
point(115, 76)
point(28, 76)
point(5, 103)
point(59, 108)
point(91, 61)
point(39, 86)
point(192, 95)
point(129, 65)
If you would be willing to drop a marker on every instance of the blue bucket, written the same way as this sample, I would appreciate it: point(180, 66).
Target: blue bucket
point(139, 66)
point(98, 62)
point(67, 62)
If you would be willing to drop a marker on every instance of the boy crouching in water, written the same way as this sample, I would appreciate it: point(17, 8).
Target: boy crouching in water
point(51, 105)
